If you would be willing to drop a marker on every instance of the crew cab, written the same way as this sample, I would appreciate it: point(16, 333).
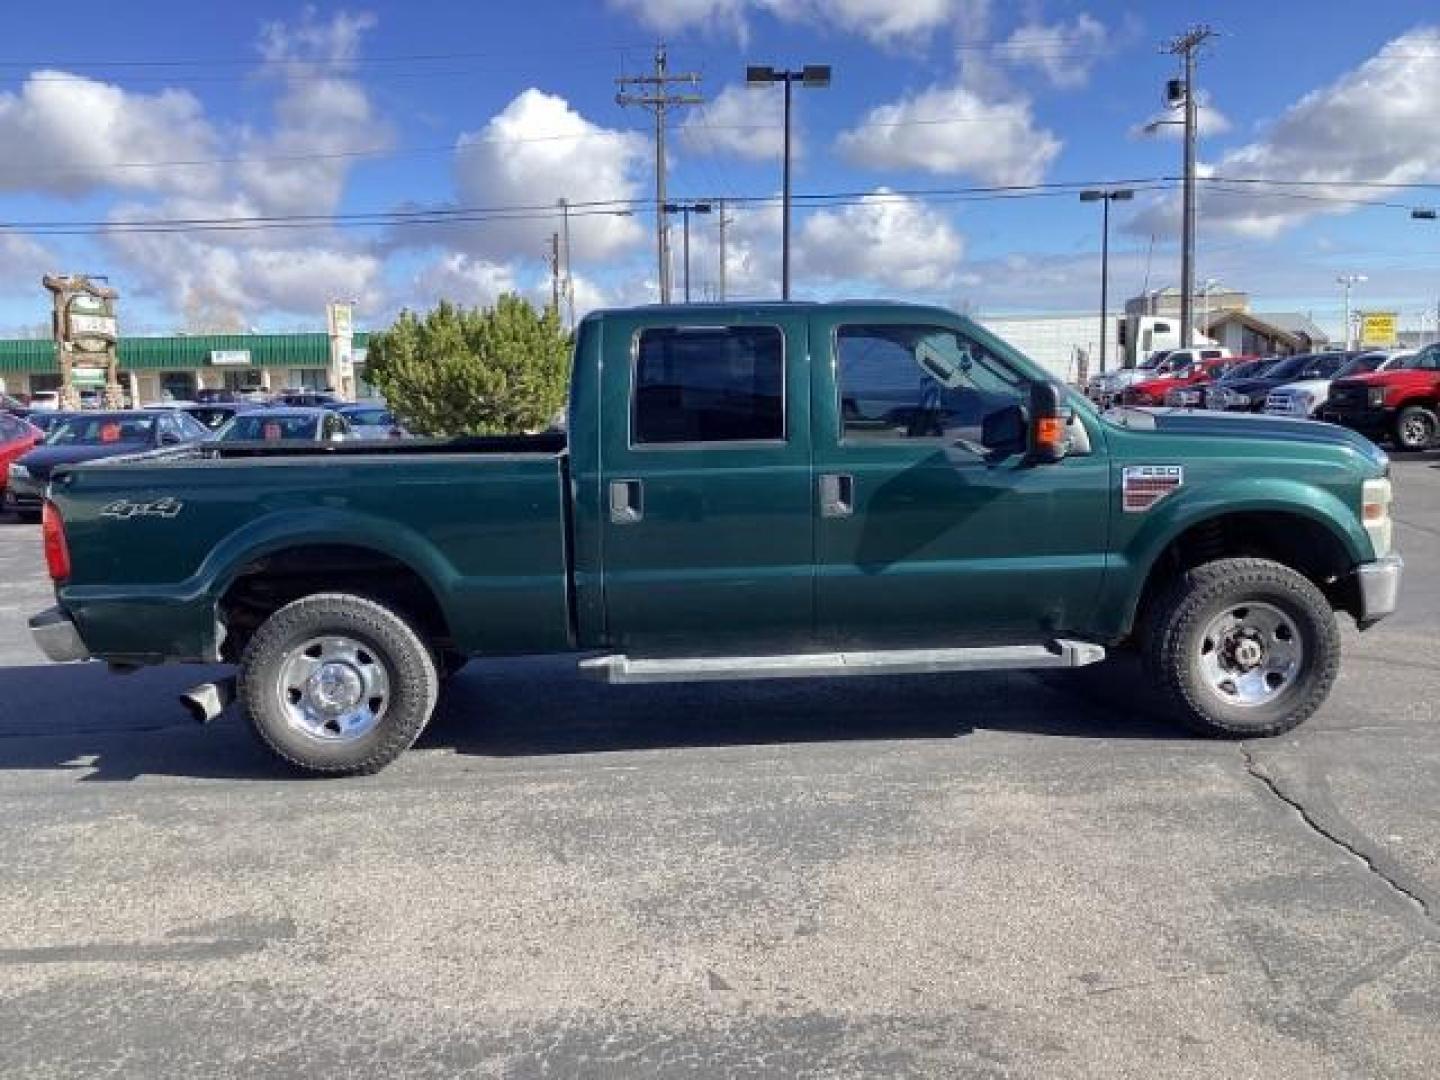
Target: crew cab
point(1306, 397)
point(743, 491)
point(1401, 402)
point(1156, 391)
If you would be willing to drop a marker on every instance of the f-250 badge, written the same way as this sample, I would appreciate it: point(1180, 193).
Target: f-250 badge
point(124, 509)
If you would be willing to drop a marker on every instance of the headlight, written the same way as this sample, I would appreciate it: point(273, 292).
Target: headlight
point(1377, 397)
point(1234, 397)
point(1375, 499)
point(19, 472)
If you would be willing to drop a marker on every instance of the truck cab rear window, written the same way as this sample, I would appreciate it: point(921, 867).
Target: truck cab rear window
point(703, 385)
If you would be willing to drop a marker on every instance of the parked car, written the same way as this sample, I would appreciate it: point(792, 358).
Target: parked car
point(761, 517)
point(285, 425)
point(45, 400)
point(1105, 390)
point(1197, 397)
point(308, 399)
point(1248, 395)
point(1195, 373)
point(1400, 403)
point(16, 440)
point(92, 436)
point(371, 421)
point(1307, 396)
point(48, 420)
point(13, 406)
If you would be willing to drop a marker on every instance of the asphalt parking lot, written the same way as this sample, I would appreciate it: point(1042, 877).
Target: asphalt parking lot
point(943, 876)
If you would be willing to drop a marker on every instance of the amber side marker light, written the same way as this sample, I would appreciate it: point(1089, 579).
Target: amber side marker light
point(57, 551)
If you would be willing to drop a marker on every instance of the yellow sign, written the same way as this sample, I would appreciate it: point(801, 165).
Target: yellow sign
point(1377, 328)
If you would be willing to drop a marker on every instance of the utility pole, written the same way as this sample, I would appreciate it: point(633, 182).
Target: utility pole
point(1348, 282)
point(1185, 46)
point(569, 280)
point(725, 220)
point(653, 93)
point(554, 260)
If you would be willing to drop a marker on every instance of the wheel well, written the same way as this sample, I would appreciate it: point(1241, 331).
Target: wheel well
point(268, 583)
point(1292, 540)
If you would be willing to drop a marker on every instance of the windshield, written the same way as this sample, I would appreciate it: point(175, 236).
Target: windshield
point(1288, 368)
point(262, 427)
point(1361, 364)
point(102, 430)
point(1155, 359)
point(369, 417)
point(212, 416)
point(1427, 359)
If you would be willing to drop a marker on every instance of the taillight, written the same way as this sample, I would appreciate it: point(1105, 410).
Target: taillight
point(57, 551)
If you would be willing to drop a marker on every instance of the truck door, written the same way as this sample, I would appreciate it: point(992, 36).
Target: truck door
point(926, 537)
point(707, 530)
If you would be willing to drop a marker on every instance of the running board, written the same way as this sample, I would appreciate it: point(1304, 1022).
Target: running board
point(619, 668)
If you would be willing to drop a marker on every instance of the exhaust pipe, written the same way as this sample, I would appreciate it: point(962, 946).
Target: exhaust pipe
point(208, 700)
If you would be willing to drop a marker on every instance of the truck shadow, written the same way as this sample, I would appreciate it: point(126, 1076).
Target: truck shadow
point(116, 728)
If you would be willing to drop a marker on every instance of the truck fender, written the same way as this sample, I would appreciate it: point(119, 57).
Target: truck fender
point(312, 526)
point(1213, 501)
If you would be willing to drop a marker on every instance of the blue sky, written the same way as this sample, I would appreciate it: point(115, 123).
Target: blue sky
point(280, 111)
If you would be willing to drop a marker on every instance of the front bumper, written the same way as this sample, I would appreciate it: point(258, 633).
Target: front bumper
point(56, 634)
point(1379, 589)
point(1367, 421)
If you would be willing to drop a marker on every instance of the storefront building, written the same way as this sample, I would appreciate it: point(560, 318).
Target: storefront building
point(174, 368)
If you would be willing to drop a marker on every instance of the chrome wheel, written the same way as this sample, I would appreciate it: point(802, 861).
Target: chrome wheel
point(1415, 432)
point(1250, 654)
point(333, 688)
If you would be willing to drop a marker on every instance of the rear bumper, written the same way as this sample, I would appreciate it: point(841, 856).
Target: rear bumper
point(1379, 588)
point(26, 496)
point(56, 634)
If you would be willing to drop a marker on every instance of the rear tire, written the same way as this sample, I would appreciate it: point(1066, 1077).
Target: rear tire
point(1416, 428)
point(1243, 648)
point(337, 685)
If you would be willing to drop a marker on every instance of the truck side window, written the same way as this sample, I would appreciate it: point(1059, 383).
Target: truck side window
point(709, 384)
point(914, 382)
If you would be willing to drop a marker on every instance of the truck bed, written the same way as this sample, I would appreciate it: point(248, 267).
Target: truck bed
point(156, 541)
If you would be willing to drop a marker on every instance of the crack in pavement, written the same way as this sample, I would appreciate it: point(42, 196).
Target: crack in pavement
point(1414, 894)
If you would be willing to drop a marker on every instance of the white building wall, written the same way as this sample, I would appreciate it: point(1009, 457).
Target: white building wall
point(1055, 341)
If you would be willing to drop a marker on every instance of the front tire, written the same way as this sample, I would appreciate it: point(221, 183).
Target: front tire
point(1416, 428)
point(337, 684)
point(1243, 648)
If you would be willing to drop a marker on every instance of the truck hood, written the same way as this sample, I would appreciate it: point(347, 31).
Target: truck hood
point(1245, 426)
point(1318, 387)
point(1403, 377)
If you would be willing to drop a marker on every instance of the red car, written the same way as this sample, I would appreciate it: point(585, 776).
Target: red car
point(16, 439)
point(1153, 391)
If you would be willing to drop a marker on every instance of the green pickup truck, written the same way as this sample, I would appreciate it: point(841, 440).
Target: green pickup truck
point(743, 491)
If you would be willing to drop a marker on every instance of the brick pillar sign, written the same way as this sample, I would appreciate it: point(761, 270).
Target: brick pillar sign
point(86, 338)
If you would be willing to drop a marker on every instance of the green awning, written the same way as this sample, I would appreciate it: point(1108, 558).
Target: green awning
point(185, 352)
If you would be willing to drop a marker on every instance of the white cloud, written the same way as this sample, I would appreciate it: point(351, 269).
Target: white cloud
point(891, 241)
point(954, 130)
point(69, 135)
point(1169, 123)
point(1063, 52)
point(463, 280)
point(741, 120)
point(886, 22)
point(1375, 123)
point(536, 151)
point(23, 261)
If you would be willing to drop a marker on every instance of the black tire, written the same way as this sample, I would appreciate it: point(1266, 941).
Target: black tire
point(1416, 428)
point(413, 685)
point(28, 517)
point(1175, 643)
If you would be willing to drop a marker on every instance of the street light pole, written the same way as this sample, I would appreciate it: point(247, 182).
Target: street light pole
point(1346, 282)
point(1105, 196)
point(815, 76)
point(685, 210)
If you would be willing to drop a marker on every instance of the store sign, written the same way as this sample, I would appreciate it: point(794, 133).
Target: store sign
point(89, 376)
point(229, 357)
point(1377, 328)
point(92, 326)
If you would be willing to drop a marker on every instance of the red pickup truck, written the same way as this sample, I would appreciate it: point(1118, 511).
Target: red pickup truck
point(1401, 403)
point(1153, 391)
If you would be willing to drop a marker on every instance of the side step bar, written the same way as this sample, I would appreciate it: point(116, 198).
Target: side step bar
point(619, 668)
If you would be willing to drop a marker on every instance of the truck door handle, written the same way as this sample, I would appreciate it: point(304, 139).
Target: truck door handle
point(837, 495)
point(627, 504)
